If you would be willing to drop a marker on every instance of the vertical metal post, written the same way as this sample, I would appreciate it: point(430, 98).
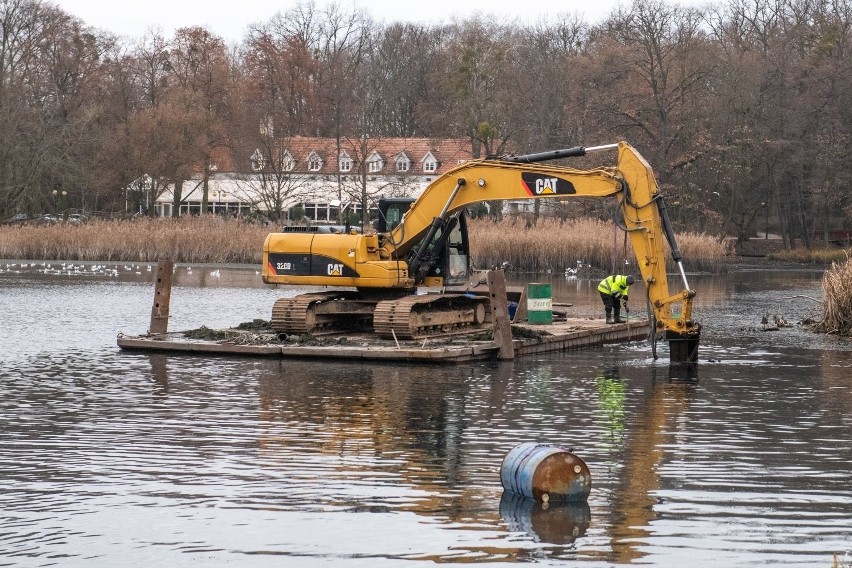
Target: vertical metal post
point(162, 298)
point(500, 308)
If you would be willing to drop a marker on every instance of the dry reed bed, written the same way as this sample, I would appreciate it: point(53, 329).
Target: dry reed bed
point(809, 256)
point(193, 239)
point(837, 302)
point(548, 245)
point(553, 245)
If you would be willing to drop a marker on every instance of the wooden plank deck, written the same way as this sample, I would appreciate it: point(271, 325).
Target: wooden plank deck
point(572, 334)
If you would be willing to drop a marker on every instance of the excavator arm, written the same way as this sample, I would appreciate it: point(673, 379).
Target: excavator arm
point(495, 179)
point(631, 182)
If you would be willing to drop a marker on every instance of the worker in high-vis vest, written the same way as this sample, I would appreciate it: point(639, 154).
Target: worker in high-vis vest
point(614, 290)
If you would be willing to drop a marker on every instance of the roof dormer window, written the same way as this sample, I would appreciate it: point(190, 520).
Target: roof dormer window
point(258, 162)
point(430, 164)
point(403, 164)
point(375, 163)
point(314, 162)
point(287, 161)
point(345, 162)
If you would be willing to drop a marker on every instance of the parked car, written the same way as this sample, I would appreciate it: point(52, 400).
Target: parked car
point(19, 218)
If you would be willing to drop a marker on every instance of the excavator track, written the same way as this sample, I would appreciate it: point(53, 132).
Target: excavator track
point(321, 311)
point(412, 317)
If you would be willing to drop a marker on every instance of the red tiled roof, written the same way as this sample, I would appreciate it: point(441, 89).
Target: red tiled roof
point(448, 152)
point(223, 160)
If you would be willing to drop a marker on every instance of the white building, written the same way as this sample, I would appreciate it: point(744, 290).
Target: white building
point(316, 176)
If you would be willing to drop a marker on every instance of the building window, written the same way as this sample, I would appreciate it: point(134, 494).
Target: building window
point(345, 162)
point(266, 127)
point(314, 162)
point(402, 163)
point(430, 164)
point(375, 163)
point(310, 210)
point(257, 160)
point(287, 162)
point(320, 212)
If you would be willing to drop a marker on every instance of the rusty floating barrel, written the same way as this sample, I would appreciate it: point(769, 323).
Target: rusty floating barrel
point(545, 473)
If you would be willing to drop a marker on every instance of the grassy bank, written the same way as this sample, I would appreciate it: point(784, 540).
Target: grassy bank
point(549, 245)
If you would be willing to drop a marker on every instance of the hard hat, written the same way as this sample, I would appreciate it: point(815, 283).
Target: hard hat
point(630, 279)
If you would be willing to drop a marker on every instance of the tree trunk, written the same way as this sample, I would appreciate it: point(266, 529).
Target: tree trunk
point(205, 187)
point(176, 199)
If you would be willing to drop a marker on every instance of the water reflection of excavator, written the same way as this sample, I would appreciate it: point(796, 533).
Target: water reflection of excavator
point(633, 500)
point(425, 243)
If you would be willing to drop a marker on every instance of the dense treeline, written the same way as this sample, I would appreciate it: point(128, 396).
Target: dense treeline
point(743, 110)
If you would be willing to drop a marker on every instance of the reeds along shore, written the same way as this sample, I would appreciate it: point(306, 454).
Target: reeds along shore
point(549, 245)
point(191, 239)
point(555, 246)
point(837, 301)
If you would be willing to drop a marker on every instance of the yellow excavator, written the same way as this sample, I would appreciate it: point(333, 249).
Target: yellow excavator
point(424, 242)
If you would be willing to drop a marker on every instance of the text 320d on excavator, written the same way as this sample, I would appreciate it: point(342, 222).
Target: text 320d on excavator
point(425, 243)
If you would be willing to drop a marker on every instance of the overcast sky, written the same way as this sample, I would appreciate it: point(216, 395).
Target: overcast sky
point(230, 19)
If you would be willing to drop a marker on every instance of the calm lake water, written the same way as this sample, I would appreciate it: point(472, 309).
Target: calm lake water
point(116, 459)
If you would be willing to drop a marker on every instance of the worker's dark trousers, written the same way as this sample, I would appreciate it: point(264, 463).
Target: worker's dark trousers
point(612, 305)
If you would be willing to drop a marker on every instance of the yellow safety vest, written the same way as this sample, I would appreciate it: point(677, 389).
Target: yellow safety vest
point(615, 285)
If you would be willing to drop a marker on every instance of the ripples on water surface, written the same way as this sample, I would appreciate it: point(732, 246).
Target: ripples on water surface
point(112, 459)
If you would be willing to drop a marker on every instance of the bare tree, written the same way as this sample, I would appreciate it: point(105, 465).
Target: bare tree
point(168, 142)
point(201, 66)
point(275, 180)
point(659, 52)
point(402, 57)
point(49, 117)
point(549, 64)
point(151, 68)
point(477, 66)
point(744, 110)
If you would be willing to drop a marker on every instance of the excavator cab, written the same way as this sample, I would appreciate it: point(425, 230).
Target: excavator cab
point(449, 265)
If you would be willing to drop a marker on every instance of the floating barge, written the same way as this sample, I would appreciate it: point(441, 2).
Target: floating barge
point(505, 341)
point(561, 336)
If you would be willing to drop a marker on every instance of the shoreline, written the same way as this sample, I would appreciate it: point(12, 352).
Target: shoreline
point(726, 264)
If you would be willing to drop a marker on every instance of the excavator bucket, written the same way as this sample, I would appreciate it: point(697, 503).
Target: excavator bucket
point(683, 347)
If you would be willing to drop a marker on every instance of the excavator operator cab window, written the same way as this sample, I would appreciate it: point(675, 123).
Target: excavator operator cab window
point(392, 218)
point(457, 257)
point(391, 210)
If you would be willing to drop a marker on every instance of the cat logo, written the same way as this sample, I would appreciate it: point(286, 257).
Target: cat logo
point(545, 186)
point(335, 269)
point(540, 185)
